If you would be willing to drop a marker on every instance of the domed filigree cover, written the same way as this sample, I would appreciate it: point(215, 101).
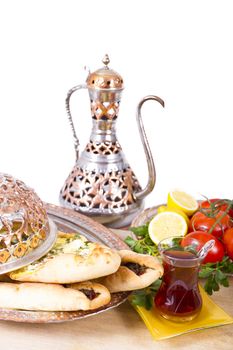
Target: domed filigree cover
point(24, 224)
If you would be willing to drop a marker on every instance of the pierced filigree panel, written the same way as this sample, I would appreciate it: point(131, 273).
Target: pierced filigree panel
point(104, 110)
point(100, 192)
point(103, 148)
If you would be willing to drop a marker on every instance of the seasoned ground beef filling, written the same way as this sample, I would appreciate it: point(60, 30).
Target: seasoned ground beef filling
point(136, 268)
point(90, 293)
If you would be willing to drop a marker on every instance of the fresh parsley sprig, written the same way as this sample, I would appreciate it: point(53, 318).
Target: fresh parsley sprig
point(143, 244)
point(145, 297)
point(216, 274)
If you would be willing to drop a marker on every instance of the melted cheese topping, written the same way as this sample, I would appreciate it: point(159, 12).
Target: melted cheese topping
point(65, 244)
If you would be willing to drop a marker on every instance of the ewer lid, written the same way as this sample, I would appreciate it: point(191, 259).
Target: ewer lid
point(105, 78)
point(26, 232)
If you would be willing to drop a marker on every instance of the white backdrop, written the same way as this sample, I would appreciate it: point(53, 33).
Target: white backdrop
point(179, 50)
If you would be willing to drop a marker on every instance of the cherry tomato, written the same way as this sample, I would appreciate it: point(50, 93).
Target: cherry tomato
point(201, 222)
point(206, 204)
point(228, 242)
point(199, 238)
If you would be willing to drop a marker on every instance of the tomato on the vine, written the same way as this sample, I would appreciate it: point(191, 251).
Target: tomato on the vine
point(218, 204)
point(198, 239)
point(228, 242)
point(203, 222)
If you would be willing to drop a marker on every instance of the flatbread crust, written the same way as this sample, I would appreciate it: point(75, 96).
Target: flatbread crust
point(124, 279)
point(72, 259)
point(52, 297)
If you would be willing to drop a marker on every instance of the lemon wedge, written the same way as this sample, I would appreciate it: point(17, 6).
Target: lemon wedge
point(167, 224)
point(182, 201)
point(164, 208)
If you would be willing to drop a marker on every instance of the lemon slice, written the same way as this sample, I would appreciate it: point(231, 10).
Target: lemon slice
point(182, 201)
point(167, 224)
point(164, 208)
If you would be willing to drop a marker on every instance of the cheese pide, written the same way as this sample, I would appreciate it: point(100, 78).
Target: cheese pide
point(72, 259)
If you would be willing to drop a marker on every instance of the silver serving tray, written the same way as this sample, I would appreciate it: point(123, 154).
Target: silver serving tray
point(68, 220)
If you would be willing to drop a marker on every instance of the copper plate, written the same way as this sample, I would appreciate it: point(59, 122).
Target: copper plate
point(68, 220)
point(145, 216)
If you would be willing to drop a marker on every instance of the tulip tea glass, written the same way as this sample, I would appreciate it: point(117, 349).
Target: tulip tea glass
point(178, 298)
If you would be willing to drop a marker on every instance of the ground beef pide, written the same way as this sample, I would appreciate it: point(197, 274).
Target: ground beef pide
point(136, 268)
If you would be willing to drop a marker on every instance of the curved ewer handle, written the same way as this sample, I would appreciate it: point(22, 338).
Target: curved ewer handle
point(150, 163)
point(76, 140)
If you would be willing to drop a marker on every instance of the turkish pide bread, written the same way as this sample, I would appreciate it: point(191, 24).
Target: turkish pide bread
point(97, 294)
point(72, 259)
point(53, 297)
point(137, 271)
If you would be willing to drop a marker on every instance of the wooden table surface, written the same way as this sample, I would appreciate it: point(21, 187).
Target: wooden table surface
point(120, 328)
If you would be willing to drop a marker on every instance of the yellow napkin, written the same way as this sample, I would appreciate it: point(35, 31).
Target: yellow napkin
point(211, 315)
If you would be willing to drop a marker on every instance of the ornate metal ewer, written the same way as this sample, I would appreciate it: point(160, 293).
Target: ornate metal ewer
point(102, 184)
